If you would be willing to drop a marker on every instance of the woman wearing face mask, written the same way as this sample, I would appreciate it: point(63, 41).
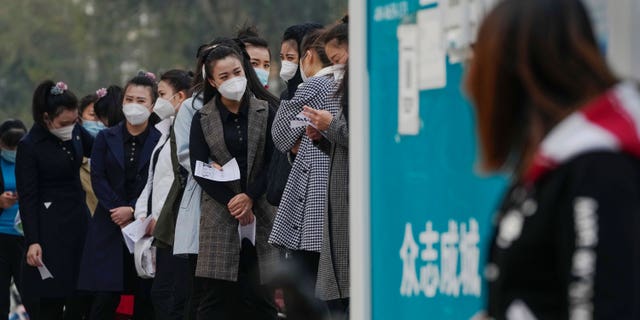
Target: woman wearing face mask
point(235, 123)
point(52, 207)
point(160, 198)
point(331, 134)
point(187, 232)
point(90, 122)
point(289, 72)
point(290, 56)
point(258, 50)
point(11, 239)
point(119, 168)
point(298, 225)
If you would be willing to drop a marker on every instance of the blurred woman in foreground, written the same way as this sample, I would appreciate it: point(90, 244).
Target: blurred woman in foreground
point(549, 108)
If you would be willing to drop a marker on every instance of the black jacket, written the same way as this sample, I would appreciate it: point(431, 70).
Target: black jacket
point(570, 244)
point(53, 209)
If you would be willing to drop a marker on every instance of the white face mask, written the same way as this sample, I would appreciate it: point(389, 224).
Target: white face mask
point(64, 133)
point(288, 70)
point(163, 108)
point(135, 113)
point(234, 88)
point(339, 71)
point(302, 74)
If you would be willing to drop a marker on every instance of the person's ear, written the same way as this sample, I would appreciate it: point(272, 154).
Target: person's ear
point(182, 95)
point(212, 83)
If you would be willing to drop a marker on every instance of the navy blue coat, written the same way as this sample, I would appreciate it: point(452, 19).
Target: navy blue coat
point(106, 265)
point(52, 207)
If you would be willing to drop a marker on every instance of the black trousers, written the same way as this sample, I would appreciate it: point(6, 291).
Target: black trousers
point(169, 289)
point(244, 299)
point(71, 308)
point(338, 309)
point(299, 287)
point(104, 304)
point(11, 255)
point(195, 289)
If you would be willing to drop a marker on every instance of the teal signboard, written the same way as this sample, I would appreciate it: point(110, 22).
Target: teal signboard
point(430, 210)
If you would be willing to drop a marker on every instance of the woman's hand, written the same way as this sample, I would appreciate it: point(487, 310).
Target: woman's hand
point(313, 134)
point(34, 255)
point(239, 204)
point(121, 215)
point(320, 118)
point(151, 226)
point(8, 199)
point(246, 217)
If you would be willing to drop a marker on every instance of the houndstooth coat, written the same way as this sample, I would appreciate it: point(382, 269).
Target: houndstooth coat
point(219, 249)
point(333, 270)
point(298, 223)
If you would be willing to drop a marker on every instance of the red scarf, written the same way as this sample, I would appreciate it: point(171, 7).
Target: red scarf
point(610, 122)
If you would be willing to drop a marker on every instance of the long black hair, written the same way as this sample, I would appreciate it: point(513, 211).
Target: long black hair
point(109, 107)
point(225, 47)
point(51, 103)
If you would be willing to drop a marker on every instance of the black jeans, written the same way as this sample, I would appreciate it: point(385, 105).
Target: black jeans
point(169, 289)
point(11, 255)
point(244, 299)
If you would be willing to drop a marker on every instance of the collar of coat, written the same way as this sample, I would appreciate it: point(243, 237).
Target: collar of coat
point(611, 122)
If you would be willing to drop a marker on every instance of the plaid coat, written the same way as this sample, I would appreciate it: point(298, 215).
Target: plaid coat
point(298, 224)
point(333, 270)
point(219, 249)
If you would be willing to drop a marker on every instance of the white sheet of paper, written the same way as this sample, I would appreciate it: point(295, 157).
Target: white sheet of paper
point(134, 231)
point(301, 121)
point(408, 93)
point(248, 231)
point(44, 272)
point(230, 171)
point(432, 64)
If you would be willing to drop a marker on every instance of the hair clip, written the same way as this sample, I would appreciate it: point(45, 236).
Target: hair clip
point(204, 73)
point(147, 74)
point(101, 92)
point(59, 88)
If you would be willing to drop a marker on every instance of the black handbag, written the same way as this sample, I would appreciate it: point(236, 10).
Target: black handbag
point(277, 177)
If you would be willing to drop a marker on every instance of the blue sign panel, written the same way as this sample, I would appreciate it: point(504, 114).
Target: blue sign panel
point(430, 210)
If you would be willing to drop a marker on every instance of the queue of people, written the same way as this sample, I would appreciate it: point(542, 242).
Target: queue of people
point(148, 153)
point(242, 194)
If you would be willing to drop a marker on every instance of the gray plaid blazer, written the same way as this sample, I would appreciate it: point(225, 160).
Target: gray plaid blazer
point(219, 250)
point(333, 270)
point(298, 224)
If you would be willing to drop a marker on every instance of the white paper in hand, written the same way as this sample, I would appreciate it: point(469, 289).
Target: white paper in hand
point(44, 272)
point(230, 171)
point(134, 231)
point(248, 231)
point(301, 121)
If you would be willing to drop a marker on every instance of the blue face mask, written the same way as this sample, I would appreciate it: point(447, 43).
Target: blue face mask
point(93, 127)
point(263, 75)
point(9, 155)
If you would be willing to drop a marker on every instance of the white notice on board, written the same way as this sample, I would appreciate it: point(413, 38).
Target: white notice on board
point(408, 98)
point(432, 64)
